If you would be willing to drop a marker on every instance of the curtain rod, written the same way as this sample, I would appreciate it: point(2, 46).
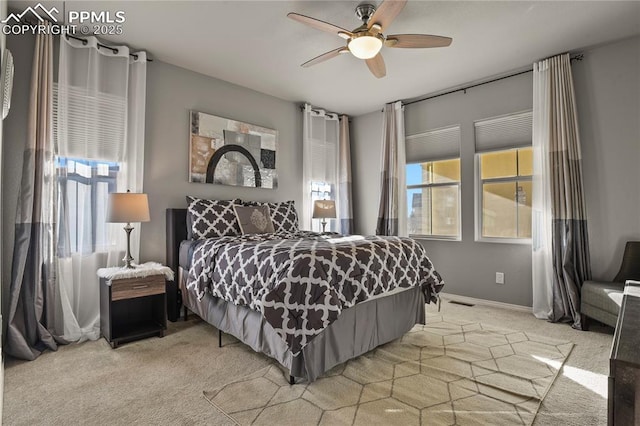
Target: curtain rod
point(326, 112)
point(113, 49)
point(84, 40)
point(577, 57)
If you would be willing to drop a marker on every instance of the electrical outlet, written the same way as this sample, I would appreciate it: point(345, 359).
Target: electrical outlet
point(499, 277)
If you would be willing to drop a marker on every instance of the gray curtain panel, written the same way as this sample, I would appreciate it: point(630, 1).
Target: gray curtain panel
point(570, 240)
point(32, 306)
point(345, 211)
point(392, 209)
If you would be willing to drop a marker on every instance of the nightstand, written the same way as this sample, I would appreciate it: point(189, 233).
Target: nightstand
point(133, 308)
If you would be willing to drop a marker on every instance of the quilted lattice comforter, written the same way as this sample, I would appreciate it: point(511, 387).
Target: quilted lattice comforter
point(300, 282)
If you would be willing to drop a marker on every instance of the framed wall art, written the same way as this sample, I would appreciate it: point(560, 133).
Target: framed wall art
point(230, 152)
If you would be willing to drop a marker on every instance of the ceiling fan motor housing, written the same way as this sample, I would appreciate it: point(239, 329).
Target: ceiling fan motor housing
point(365, 11)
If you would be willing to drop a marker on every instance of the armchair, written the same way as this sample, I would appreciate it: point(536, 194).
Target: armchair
point(601, 300)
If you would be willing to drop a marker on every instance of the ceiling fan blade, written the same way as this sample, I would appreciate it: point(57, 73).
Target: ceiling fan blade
point(325, 56)
point(376, 66)
point(386, 13)
point(320, 25)
point(417, 41)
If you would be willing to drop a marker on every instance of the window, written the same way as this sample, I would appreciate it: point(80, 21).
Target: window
point(506, 193)
point(504, 166)
point(320, 165)
point(90, 135)
point(83, 190)
point(433, 198)
point(433, 183)
point(321, 191)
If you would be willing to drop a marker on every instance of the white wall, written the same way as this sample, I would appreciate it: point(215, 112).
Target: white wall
point(607, 84)
point(171, 93)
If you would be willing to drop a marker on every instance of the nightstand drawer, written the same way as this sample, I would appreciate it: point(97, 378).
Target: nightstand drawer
point(137, 287)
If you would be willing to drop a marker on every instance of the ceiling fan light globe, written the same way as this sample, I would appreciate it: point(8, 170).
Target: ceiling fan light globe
point(365, 47)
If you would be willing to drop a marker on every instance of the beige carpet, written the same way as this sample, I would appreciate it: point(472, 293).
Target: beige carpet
point(451, 371)
point(160, 381)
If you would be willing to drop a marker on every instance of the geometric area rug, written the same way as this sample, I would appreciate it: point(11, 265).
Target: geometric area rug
point(448, 372)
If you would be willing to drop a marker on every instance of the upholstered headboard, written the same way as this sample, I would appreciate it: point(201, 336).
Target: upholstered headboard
point(176, 233)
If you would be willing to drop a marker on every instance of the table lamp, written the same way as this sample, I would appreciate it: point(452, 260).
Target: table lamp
point(127, 207)
point(324, 209)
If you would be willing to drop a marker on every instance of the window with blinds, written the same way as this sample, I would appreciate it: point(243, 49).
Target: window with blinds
point(89, 135)
point(504, 159)
point(89, 125)
point(433, 183)
point(323, 139)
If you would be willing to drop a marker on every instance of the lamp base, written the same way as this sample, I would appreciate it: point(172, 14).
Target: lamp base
point(324, 224)
point(128, 259)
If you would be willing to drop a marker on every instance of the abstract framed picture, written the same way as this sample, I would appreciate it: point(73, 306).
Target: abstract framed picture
point(230, 152)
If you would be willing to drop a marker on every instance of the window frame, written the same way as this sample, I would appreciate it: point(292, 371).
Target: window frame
point(322, 195)
point(92, 182)
point(478, 199)
point(431, 185)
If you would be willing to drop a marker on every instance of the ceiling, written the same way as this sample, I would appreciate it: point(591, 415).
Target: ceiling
point(254, 44)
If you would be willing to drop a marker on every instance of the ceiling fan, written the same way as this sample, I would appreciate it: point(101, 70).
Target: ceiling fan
point(366, 41)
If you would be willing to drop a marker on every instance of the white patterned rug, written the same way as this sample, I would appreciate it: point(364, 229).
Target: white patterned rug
point(448, 372)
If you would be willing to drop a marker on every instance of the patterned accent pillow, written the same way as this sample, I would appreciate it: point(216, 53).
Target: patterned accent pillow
point(254, 219)
point(212, 218)
point(283, 215)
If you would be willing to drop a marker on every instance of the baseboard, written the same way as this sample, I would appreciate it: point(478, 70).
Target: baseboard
point(484, 302)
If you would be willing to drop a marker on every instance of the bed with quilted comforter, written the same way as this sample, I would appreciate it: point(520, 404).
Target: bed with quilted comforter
point(308, 300)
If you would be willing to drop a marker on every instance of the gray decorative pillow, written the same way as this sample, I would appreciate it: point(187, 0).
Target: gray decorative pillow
point(211, 218)
point(254, 219)
point(283, 215)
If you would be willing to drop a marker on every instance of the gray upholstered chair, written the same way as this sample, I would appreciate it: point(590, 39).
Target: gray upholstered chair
point(601, 300)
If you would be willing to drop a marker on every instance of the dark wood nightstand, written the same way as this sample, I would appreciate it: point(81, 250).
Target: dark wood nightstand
point(624, 363)
point(133, 308)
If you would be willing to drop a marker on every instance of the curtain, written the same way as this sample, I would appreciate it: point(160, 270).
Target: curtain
point(326, 168)
point(100, 115)
point(392, 213)
point(33, 309)
point(560, 240)
point(343, 199)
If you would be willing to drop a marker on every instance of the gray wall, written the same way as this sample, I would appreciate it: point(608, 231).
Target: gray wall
point(3, 42)
point(607, 84)
point(3, 313)
point(171, 93)
point(366, 151)
point(468, 267)
point(14, 140)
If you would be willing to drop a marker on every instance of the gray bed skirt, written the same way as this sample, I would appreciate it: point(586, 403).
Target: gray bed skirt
point(356, 331)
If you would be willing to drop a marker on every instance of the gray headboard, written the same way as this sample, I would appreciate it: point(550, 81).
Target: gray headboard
point(176, 233)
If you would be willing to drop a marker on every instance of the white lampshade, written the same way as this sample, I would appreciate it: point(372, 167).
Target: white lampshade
point(365, 47)
point(324, 209)
point(126, 207)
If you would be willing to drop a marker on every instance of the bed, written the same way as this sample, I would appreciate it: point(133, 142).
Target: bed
point(299, 320)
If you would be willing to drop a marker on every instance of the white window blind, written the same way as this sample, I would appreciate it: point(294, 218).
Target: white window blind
point(89, 125)
point(323, 137)
point(437, 144)
point(502, 132)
